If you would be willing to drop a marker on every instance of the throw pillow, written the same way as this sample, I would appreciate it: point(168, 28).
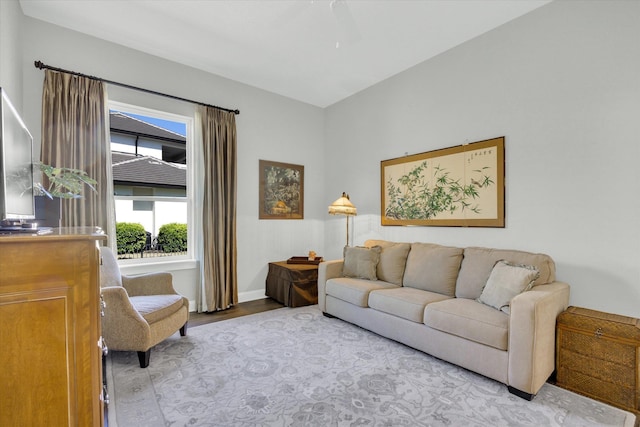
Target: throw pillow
point(361, 262)
point(505, 282)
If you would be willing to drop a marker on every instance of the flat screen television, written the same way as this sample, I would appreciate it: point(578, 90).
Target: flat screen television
point(16, 166)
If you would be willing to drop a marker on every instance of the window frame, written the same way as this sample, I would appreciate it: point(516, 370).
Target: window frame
point(179, 261)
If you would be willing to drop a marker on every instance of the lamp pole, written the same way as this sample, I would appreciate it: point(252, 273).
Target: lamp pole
point(347, 216)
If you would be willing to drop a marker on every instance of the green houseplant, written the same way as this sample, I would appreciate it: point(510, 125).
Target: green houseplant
point(64, 183)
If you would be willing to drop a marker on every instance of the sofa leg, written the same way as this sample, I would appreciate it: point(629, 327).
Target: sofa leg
point(143, 357)
point(183, 330)
point(521, 394)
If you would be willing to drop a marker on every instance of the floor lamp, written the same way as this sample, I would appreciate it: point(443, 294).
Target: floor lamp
point(343, 206)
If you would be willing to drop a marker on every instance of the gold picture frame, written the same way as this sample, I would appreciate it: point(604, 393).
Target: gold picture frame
point(281, 190)
point(461, 186)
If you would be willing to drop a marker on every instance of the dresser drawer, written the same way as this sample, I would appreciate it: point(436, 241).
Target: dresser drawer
point(597, 388)
point(599, 349)
point(596, 368)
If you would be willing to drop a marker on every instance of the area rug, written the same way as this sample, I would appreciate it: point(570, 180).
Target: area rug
point(295, 367)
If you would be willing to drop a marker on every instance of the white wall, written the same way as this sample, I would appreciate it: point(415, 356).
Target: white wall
point(269, 127)
point(10, 51)
point(562, 84)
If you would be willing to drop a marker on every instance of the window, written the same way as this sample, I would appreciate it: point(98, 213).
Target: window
point(149, 152)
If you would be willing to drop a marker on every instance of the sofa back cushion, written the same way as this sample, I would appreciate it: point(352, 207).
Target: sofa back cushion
point(478, 263)
point(432, 267)
point(393, 259)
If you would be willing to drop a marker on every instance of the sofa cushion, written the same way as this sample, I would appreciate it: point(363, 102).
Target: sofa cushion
point(478, 263)
point(469, 319)
point(361, 262)
point(354, 291)
point(432, 267)
point(407, 303)
point(505, 282)
point(393, 259)
point(156, 307)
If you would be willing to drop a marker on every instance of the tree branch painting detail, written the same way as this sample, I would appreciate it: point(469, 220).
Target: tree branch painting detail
point(457, 186)
point(281, 190)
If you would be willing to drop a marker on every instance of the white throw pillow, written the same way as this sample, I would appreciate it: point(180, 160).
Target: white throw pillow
point(505, 282)
point(361, 262)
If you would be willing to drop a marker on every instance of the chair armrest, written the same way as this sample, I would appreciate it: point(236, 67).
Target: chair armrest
point(123, 328)
point(532, 335)
point(327, 270)
point(149, 284)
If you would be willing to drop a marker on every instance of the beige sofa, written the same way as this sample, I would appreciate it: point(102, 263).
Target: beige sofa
point(456, 304)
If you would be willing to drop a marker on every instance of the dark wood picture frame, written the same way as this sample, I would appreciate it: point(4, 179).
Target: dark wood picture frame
point(461, 186)
point(281, 190)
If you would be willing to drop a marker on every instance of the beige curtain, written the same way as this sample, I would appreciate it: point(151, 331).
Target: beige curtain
point(219, 281)
point(75, 134)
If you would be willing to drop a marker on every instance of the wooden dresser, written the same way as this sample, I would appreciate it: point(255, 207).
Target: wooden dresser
point(598, 355)
point(50, 339)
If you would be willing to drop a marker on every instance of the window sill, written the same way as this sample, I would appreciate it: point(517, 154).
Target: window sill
point(128, 268)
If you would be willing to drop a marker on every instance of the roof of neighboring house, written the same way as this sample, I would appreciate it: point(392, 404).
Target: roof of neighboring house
point(122, 123)
point(147, 171)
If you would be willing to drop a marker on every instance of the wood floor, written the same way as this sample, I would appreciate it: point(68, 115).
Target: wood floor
point(242, 309)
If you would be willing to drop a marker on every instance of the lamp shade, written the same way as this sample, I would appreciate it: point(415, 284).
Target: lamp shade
point(342, 206)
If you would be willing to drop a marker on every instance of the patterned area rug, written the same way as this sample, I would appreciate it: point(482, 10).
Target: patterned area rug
point(295, 367)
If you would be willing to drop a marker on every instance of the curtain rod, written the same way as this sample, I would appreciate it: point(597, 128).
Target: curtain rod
point(41, 66)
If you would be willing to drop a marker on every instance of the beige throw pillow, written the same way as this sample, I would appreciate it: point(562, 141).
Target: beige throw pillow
point(361, 262)
point(505, 282)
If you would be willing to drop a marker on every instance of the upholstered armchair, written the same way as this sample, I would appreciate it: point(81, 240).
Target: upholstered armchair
point(139, 311)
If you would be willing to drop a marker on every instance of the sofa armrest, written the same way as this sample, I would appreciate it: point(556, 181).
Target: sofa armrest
point(532, 335)
point(327, 270)
point(123, 328)
point(160, 283)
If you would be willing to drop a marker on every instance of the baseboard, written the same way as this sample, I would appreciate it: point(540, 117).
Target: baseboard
point(251, 295)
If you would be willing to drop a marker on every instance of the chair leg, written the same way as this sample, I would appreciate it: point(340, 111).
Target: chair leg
point(143, 357)
point(183, 330)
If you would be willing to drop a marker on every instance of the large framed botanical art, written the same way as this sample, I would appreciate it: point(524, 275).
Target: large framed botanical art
point(281, 190)
point(460, 186)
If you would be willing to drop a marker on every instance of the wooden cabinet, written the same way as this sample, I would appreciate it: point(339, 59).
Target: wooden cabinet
point(598, 355)
point(50, 341)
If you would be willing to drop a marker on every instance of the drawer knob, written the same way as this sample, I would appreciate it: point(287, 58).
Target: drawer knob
point(103, 346)
point(598, 333)
point(104, 396)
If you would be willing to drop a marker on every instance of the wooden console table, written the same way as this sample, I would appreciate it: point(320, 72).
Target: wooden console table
point(293, 285)
point(598, 355)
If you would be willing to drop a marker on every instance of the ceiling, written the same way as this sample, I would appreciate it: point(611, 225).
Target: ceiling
point(315, 51)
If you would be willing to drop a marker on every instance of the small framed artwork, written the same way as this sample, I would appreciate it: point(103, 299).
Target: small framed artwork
point(460, 186)
point(281, 190)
